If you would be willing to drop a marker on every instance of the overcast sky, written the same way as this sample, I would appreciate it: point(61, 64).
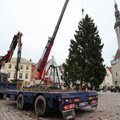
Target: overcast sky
point(36, 19)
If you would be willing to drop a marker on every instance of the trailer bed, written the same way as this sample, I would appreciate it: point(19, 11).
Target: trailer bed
point(65, 102)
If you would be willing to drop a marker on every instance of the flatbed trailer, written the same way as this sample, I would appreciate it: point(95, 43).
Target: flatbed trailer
point(6, 86)
point(43, 102)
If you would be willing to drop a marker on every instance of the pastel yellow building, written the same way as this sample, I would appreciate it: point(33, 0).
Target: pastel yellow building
point(24, 73)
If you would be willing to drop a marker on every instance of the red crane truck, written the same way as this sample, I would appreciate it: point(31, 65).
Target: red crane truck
point(45, 101)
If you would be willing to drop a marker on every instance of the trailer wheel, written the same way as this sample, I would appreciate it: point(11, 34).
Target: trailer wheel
point(40, 106)
point(20, 102)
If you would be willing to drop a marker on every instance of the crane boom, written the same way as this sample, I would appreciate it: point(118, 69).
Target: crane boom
point(6, 58)
point(59, 20)
point(18, 56)
point(43, 60)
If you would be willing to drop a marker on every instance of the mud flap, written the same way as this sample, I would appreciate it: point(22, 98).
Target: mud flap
point(68, 114)
point(93, 107)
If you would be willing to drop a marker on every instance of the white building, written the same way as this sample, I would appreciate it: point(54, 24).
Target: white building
point(108, 81)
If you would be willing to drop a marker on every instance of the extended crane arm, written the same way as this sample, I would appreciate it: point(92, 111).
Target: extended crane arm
point(43, 60)
point(18, 56)
point(8, 56)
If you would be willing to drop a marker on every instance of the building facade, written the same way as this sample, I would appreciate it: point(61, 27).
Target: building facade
point(24, 73)
point(108, 81)
point(115, 63)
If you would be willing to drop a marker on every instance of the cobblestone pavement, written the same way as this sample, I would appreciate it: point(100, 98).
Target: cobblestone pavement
point(108, 109)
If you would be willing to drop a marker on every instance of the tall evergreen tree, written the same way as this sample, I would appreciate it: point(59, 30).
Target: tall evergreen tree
point(85, 62)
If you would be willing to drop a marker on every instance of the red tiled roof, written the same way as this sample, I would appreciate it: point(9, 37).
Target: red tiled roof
point(110, 69)
point(117, 55)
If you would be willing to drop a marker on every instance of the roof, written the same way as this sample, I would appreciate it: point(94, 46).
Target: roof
point(110, 69)
point(117, 55)
point(22, 61)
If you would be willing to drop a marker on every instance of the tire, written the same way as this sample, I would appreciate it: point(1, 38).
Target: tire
point(41, 107)
point(20, 102)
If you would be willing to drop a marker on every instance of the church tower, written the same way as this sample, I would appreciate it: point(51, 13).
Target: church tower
point(117, 24)
point(115, 63)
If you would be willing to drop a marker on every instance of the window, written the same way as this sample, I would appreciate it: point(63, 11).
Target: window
point(20, 75)
point(10, 66)
point(14, 75)
point(26, 76)
point(27, 67)
point(8, 75)
point(116, 82)
point(116, 75)
point(21, 66)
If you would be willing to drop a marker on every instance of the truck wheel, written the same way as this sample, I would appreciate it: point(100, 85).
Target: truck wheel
point(20, 102)
point(40, 106)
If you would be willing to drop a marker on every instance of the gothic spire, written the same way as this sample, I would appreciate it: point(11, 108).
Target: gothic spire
point(82, 12)
point(117, 15)
point(116, 6)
